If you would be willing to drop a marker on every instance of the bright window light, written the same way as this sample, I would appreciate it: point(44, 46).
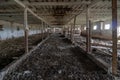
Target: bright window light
point(84, 28)
point(95, 27)
point(102, 26)
point(118, 31)
point(107, 26)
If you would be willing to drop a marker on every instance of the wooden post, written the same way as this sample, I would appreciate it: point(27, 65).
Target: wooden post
point(47, 30)
point(42, 31)
point(12, 27)
point(89, 37)
point(68, 31)
point(26, 30)
point(39, 29)
point(114, 37)
point(87, 29)
point(71, 32)
point(73, 38)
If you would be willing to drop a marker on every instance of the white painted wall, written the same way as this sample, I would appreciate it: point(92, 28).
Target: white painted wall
point(12, 31)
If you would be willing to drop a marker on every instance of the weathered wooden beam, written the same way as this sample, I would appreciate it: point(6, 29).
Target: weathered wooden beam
point(73, 30)
point(91, 5)
point(87, 28)
point(58, 3)
point(29, 10)
point(114, 37)
point(89, 37)
point(26, 30)
point(42, 30)
point(47, 3)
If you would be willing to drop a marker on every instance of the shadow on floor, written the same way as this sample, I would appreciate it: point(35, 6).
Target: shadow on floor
point(87, 63)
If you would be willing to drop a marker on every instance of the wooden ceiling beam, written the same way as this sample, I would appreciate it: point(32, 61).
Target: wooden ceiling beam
point(48, 3)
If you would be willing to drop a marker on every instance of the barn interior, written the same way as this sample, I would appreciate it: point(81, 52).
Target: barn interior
point(51, 33)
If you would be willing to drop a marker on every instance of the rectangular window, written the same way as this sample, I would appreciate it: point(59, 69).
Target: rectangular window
point(95, 27)
point(84, 28)
point(118, 31)
point(107, 26)
point(102, 25)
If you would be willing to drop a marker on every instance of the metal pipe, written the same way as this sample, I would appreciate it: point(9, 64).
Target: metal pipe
point(114, 37)
point(26, 30)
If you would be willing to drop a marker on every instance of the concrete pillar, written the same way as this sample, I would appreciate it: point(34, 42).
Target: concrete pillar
point(26, 29)
point(114, 37)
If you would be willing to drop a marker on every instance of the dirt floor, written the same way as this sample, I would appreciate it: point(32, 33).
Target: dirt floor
point(12, 49)
point(58, 59)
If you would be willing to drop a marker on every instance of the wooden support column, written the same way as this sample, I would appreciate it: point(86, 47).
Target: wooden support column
point(114, 37)
point(68, 31)
point(47, 31)
point(45, 28)
point(89, 37)
point(71, 32)
point(12, 27)
point(73, 38)
point(63, 30)
point(26, 30)
point(42, 31)
point(87, 29)
point(39, 29)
